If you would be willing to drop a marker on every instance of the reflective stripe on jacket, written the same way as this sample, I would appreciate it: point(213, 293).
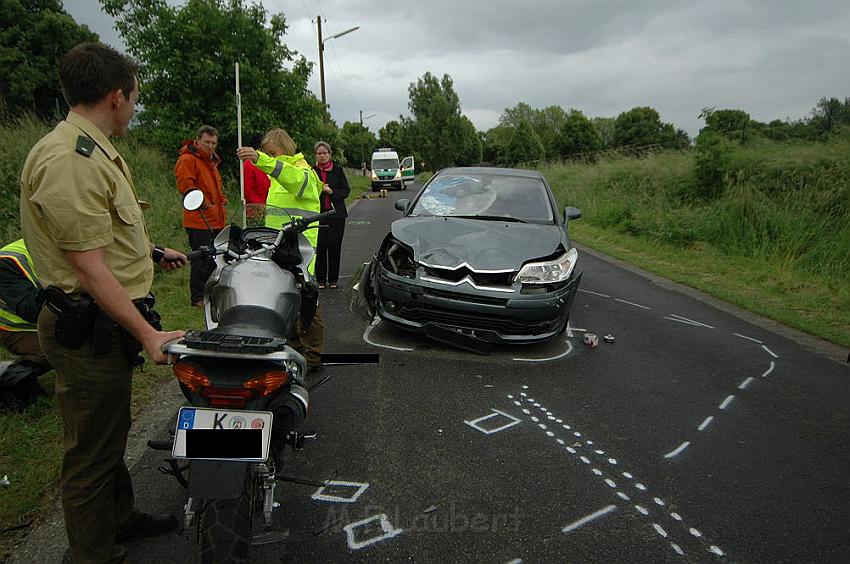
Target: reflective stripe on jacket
point(16, 252)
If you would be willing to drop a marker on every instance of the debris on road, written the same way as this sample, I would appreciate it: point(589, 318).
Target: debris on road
point(608, 338)
point(5, 481)
point(591, 340)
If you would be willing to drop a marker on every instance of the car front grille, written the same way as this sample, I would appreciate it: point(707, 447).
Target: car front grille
point(497, 279)
point(505, 324)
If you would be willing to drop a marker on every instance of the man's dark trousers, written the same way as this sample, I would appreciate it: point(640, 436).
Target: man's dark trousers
point(200, 269)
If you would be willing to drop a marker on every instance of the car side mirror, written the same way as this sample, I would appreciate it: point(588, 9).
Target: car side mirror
point(571, 212)
point(193, 200)
point(401, 205)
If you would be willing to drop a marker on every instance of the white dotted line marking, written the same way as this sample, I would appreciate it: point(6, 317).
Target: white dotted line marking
point(632, 304)
point(745, 337)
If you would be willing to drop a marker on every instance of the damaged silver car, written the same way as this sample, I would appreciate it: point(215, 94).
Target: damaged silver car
point(481, 256)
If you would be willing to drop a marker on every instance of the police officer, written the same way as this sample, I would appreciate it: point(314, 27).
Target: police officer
point(82, 222)
point(21, 297)
point(295, 188)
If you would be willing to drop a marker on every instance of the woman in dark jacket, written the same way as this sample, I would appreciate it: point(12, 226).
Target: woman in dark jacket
point(334, 193)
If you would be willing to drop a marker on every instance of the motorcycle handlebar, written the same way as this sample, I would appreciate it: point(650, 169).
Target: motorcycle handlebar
point(199, 253)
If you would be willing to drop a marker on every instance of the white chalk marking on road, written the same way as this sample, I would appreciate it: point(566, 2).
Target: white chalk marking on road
point(678, 450)
point(597, 471)
point(642, 510)
point(358, 487)
point(577, 434)
point(535, 419)
point(610, 482)
point(677, 548)
point(658, 501)
point(628, 475)
point(585, 520)
point(366, 338)
point(585, 459)
point(769, 370)
point(726, 402)
point(660, 530)
point(624, 496)
point(571, 450)
point(560, 441)
point(570, 330)
point(705, 423)
point(562, 355)
point(695, 532)
point(527, 412)
point(510, 396)
point(676, 516)
point(745, 337)
point(716, 550)
point(474, 423)
point(594, 293)
point(640, 486)
point(612, 461)
point(686, 321)
point(770, 352)
point(745, 383)
point(388, 532)
point(632, 303)
point(597, 451)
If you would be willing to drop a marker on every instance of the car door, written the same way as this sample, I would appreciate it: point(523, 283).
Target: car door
point(407, 170)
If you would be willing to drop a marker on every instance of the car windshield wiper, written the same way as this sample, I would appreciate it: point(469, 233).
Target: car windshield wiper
point(491, 218)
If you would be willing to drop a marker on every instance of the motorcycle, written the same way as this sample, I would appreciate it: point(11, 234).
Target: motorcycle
point(244, 384)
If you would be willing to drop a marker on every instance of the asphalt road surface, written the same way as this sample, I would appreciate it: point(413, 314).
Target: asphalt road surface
point(698, 436)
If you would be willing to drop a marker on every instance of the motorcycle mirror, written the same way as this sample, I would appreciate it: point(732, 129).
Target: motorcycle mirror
point(193, 200)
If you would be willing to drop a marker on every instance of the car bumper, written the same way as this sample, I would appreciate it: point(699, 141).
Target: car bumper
point(488, 315)
point(378, 184)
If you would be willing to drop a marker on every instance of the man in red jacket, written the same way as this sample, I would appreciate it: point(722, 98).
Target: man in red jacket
point(197, 169)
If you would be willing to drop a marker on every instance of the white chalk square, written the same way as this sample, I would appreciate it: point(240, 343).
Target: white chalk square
point(498, 418)
point(387, 531)
point(331, 487)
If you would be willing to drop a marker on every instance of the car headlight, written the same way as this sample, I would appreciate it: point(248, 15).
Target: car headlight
point(374, 176)
point(549, 272)
point(397, 173)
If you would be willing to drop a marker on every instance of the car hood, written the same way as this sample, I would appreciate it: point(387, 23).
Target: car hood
point(483, 245)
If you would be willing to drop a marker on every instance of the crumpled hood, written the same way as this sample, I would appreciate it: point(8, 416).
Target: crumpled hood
point(483, 245)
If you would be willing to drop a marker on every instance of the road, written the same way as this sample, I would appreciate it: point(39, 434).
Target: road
point(697, 436)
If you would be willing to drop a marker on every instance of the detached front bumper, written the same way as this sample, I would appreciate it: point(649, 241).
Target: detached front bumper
point(492, 316)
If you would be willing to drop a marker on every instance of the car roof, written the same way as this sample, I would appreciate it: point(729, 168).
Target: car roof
point(491, 170)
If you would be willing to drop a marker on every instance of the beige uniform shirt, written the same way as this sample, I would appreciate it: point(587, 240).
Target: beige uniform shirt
point(73, 202)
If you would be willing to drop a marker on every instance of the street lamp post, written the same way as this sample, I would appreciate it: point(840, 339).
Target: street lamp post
point(362, 148)
point(322, 53)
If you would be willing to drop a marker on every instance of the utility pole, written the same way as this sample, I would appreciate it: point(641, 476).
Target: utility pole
point(321, 59)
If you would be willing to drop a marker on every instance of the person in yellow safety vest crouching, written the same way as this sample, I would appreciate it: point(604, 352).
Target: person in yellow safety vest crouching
point(21, 297)
point(295, 188)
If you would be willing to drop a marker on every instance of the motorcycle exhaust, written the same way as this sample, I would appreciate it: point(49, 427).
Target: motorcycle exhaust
point(290, 410)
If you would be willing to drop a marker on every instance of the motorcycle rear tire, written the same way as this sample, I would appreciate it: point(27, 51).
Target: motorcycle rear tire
point(227, 527)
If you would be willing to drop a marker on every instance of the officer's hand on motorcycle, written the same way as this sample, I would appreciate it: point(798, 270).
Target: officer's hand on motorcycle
point(247, 153)
point(153, 345)
point(172, 260)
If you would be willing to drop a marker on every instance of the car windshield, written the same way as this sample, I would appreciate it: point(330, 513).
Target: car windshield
point(384, 163)
point(488, 197)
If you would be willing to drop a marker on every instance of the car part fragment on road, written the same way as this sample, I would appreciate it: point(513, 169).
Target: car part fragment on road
point(591, 340)
point(608, 338)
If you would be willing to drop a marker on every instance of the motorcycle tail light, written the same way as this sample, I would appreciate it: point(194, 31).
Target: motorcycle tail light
point(267, 382)
point(191, 376)
point(227, 397)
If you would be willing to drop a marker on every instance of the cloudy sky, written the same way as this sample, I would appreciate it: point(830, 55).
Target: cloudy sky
point(771, 58)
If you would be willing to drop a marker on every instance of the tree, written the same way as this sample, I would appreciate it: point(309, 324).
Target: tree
point(605, 127)
point(357, 143)
point(187, 55)
point(34, 36)
point(638, 126)
point(495, 144)
point(524, 146)
point(391, 136)
point(577, 135)
point(469, 151)
point(436, 120)
point(829, 112)
point(546, 123)
point(731, 123)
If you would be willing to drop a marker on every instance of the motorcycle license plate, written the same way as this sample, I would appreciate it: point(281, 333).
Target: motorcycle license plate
point(222, 434)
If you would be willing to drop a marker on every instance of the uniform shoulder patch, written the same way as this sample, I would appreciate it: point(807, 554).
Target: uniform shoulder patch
point(85, 145)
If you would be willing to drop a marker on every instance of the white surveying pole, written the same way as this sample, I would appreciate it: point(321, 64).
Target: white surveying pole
point(239, 144)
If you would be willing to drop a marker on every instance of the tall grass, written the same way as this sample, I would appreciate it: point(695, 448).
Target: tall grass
point(781, 206)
